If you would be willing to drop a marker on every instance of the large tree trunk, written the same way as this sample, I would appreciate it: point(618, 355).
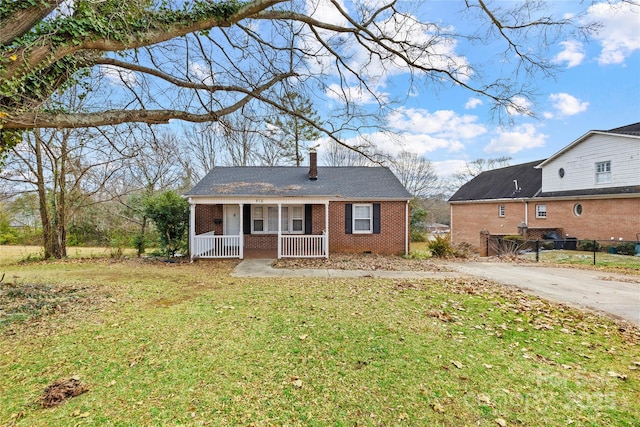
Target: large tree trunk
point(47, 233)
point(50, 238)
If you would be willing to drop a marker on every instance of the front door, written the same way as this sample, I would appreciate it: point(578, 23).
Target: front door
point(231, 224)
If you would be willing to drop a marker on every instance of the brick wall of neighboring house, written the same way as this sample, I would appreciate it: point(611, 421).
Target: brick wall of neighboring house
point(205, 216)
point(601, 219)
point(391, 239)
point(469, 219)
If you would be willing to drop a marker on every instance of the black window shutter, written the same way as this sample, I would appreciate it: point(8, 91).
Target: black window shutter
point(308, 219)
point(246, 219)
point(376, 218)
point(348, 218)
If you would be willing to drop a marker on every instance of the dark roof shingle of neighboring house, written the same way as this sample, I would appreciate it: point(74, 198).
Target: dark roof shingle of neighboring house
point(499, 184)
point(341, 182)
point(631, 189)
point(632, 129)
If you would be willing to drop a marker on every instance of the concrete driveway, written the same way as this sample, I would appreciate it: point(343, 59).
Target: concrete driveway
point(614, 294)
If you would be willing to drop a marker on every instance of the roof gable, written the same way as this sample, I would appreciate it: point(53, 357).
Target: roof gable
point(632, 130)
point(341, 182)
point(511, 182)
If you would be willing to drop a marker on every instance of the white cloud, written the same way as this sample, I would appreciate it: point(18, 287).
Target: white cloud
point(201, 73)
point(524, 137)
point(421, 43)
point(355, 94)
point(472, 103)
point(567, 105)
point(446, 168)
point(445, 123)
point(520, 106)
point(573, 53)
point(620, 36)
point(118, 76)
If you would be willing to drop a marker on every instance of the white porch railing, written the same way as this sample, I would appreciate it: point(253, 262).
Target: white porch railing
point(303, 246)
point(208, 245)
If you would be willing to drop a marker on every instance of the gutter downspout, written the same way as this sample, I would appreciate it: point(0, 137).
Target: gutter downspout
point(406, 231)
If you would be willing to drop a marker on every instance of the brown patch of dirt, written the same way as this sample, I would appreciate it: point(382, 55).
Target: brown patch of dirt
point(363, 262)
point(62, 390)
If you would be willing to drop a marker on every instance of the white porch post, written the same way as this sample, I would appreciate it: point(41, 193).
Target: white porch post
point(241, 237)
point(192, 228)
point(326, 229)
point(279, 230)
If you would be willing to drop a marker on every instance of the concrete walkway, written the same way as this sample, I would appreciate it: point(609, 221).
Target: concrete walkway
point(614, 294)
point(263, 268)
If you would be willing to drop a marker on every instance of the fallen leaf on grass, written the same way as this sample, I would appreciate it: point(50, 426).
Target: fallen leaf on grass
point(483, 398)
point(617, 375)
point(457, 364)
point(303, 337)
point(297, 383)
point(437, 407)
point(501, 422)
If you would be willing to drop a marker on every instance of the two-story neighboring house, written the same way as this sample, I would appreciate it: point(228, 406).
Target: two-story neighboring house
point(590, 190)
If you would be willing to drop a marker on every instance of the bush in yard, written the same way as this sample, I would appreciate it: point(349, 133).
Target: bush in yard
point(441, 246)
point(170, 214)
point(588, 245)
point(626, 248)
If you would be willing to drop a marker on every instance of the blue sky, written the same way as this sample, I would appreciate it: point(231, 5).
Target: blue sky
point(597, 86)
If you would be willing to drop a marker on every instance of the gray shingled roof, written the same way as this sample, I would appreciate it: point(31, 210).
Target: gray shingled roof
point(632, 129)
point(341, 182)
point(632, 189)
point(498, 183)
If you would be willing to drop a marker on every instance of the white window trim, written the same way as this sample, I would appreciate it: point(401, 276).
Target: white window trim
point(265, 220)
point(604, 176)
point(353, 219)
point(539, 212)
point(502, 211)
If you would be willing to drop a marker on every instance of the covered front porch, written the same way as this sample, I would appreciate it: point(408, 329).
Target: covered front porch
point(240, 228)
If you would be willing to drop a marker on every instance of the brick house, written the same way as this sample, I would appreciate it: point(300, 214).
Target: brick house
point(237, 212)
point(590, 190)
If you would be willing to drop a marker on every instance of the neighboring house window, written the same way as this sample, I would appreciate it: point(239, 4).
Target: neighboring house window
point(362, 218)
point(541, 211)
point(501, 210)
point(294, 222)
point(577, 209)
point(603, 172)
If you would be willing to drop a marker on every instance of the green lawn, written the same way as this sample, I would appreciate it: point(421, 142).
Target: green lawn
point(186, 344)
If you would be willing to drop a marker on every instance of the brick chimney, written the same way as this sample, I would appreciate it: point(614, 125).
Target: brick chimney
point(313, 165)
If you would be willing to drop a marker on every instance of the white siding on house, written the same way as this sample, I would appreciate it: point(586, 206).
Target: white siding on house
point(579, 164)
